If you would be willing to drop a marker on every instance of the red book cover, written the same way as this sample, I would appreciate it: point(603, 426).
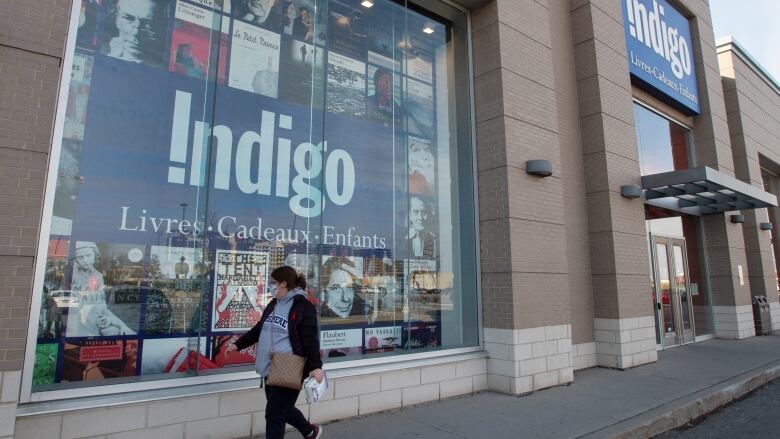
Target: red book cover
point(193, 31)
point(100, 353)
point(234, 358)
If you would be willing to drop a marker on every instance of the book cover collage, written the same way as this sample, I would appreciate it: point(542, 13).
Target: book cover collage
point(114, 310)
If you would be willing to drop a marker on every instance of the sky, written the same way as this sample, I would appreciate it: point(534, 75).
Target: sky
point(755, 24)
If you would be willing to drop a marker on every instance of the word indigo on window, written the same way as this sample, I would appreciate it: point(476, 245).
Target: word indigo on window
point(258, 147)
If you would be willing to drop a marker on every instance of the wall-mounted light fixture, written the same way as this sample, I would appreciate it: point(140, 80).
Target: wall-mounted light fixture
point(630, 191)
point(737, 219)
point(539, 168)
point(765, 226)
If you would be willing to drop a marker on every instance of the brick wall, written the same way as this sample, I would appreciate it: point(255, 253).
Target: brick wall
point(752, 107)
point(36, 26)
point(32, 38)
point(573, 176)
point(724, 241)
point(524, 256)
point(609, 154)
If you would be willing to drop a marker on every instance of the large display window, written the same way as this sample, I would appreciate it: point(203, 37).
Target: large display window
point(204, 143)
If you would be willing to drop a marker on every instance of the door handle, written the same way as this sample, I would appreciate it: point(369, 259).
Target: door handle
point(658, 305)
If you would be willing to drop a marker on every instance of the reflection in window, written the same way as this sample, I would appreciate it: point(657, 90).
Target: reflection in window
point(663, 145)
point(207, 142)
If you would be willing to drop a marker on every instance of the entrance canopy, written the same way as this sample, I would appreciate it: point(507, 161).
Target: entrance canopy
point(703, 191)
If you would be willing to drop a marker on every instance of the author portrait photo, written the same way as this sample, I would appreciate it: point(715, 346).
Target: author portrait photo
point(267, 14)
point(135, 31)
point(422, 242)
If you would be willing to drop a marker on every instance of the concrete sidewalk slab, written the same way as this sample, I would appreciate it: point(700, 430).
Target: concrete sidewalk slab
point(685, 383)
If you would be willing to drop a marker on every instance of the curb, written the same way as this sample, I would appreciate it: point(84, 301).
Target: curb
point(683, 410)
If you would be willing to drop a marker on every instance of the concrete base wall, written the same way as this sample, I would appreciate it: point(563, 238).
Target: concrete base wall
point(241, 413)
point(584, 355)
point(774, 309)
point(733, 322)
point(625, 343)
point(10, 381)
point(524, 360)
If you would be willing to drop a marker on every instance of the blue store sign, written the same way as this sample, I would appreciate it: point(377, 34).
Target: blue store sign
point(659, 50)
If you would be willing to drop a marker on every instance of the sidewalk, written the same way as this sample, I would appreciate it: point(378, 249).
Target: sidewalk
point(685, 383)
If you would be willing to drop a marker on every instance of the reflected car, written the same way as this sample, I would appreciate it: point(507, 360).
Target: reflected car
point(65, 298)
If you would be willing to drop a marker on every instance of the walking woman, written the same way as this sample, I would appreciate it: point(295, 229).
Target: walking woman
point(293, 321)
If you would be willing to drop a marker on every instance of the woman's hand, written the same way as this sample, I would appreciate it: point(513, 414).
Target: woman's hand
point(317, 374)
point(230, 348)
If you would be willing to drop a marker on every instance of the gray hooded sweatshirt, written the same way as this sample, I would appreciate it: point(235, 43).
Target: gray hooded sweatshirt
point(276, 322)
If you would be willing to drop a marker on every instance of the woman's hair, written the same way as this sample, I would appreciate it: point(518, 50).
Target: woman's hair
point(287, 274)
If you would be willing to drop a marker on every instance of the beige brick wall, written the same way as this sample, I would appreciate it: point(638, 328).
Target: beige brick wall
point(528, 269)
point(725, 245)
point(37, 26)
point(525, 274)
point(617, 231)
point(574, 196)
point(752, 107)
point(32, 38)
point(616, 225)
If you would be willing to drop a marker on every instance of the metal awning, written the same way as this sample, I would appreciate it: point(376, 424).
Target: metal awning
point(703, 191)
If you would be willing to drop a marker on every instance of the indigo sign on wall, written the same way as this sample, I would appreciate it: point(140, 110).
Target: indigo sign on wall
point(659, 50)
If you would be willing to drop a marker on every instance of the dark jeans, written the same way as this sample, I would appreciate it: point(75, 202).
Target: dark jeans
point(280, 409)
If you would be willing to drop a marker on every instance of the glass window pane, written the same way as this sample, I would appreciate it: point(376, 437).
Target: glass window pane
point(124, 275)
point(681, 284)
point(206, 143)
point(663, 145)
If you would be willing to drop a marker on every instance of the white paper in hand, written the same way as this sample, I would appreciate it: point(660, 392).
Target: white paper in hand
point(315, 390)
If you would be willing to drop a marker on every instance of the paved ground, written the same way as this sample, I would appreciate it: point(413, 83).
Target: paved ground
point(600, 402)
point(755, 417)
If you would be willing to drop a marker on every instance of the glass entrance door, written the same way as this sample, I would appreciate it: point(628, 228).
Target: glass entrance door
point(672, 291)
point(682, 287)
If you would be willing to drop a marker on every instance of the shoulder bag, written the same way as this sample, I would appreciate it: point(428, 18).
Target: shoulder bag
point(286, 368)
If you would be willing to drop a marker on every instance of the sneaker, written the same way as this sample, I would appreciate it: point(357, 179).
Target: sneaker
point(316, 432)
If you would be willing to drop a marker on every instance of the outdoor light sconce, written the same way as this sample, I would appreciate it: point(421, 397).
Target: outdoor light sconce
point(765, 226)
point(737, 219)
point(630, 191)
point(539, 168)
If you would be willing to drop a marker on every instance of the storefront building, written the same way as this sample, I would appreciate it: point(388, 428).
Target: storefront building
point(482, 195)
